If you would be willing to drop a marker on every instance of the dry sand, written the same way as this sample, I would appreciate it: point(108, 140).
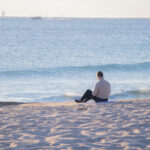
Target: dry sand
point(95, 126)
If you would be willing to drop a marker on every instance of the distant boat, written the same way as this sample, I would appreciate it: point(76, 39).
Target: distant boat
point(38, 18)
point(3, 13)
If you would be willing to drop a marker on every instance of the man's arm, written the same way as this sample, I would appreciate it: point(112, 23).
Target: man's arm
point(95, 91)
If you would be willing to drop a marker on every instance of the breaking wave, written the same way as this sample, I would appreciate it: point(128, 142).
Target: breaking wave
point(78, 69)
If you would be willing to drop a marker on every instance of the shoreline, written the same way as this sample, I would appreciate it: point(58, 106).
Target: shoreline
point(7, 103)
point(72, 126)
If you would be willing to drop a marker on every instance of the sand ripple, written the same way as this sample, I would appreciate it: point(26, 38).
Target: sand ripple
point(120, 125)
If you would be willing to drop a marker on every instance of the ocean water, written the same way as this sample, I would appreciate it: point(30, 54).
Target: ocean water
point(56, 60)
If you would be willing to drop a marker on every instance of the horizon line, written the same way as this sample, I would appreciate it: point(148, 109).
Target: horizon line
point(59, 17)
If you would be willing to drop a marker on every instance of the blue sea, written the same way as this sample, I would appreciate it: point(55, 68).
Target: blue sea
point(56, 60)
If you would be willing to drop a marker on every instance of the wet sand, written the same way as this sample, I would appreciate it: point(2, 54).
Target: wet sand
point(113, 125)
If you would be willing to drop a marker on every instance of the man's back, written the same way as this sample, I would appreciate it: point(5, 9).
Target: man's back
point(102, 89)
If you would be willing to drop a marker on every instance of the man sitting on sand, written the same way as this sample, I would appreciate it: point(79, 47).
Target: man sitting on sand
point(101, 91)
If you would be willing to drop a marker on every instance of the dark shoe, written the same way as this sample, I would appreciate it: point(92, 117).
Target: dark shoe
point(79, 101)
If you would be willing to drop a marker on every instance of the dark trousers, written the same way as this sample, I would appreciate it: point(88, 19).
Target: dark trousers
point(88, 95)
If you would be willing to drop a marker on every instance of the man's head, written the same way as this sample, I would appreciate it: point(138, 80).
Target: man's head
point(99, 75)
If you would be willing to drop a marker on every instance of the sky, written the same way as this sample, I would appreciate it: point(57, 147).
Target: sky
point(77, 8)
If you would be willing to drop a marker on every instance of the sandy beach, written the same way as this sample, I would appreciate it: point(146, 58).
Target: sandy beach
point(113, 125)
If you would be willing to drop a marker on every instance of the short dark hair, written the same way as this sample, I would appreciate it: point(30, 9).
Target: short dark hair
point(100, 73)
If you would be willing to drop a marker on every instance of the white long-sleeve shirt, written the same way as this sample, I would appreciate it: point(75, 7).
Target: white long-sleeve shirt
point(102, 89)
